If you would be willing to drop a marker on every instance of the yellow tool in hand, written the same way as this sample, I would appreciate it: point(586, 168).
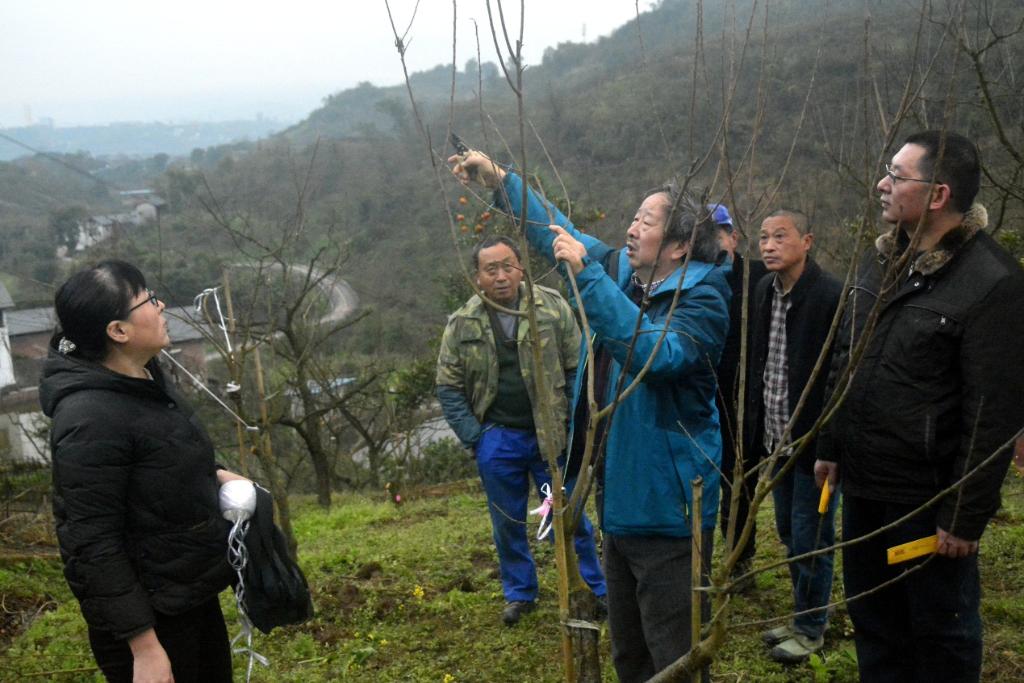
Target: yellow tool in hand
point(826, 493)
point(912, 549)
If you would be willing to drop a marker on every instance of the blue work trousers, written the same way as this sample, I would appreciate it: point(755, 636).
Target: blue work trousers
point(799, 525)
point(925, 626)
point(506, 459)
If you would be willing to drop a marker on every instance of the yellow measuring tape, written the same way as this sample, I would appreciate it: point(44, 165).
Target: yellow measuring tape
point(912, 549)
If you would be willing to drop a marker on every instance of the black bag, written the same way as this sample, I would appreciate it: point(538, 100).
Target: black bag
point(275, 592)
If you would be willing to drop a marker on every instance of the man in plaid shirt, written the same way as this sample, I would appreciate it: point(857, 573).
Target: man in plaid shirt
point(793, 305)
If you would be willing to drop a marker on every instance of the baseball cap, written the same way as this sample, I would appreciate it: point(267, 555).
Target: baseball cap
point(721, 216)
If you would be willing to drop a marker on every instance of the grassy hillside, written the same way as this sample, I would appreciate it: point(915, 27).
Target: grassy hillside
point(411, 594)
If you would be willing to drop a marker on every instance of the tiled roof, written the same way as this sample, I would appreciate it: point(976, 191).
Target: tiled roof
point(30, 321)
point(181, 322)
point(5, 298)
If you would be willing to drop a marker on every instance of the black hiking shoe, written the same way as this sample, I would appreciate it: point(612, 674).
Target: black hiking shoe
point(514, 610)
point(602, 608)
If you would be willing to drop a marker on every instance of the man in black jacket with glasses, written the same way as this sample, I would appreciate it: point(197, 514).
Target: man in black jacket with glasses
point(930, 413)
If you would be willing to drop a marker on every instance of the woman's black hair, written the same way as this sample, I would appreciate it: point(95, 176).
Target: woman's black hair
point(686, 211)
point(87, 302)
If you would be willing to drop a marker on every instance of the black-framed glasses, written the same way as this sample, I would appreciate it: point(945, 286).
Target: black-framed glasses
point(152, 299)
point(893, 177)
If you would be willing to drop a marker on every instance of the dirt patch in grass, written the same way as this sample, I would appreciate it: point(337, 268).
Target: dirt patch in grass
point(17, 613)
point(485, 561)
point(369, 571)
point(340, 601)
point(462, 583)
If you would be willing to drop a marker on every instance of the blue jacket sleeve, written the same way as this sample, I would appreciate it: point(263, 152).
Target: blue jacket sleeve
point(699, 323)
point(696, 333)
point(539, 215)
point(459, 415)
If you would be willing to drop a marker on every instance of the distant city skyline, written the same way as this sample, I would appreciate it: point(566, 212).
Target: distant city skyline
point(116, 61)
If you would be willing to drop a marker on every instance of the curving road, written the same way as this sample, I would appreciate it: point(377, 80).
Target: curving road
point(344, 300)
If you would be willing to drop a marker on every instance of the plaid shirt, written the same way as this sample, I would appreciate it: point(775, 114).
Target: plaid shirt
point(776, 370)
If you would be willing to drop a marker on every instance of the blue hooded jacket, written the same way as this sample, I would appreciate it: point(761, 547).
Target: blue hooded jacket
point(665, 433)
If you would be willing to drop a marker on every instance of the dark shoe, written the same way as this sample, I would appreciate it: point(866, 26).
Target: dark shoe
point(601, 613)
point(514, 610)
point(744, 585)
point(797, 649)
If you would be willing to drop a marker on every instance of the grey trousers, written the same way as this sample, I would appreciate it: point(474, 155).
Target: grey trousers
point(649, 598)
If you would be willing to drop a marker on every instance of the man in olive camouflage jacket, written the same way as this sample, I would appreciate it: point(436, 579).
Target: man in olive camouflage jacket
point(485, 386)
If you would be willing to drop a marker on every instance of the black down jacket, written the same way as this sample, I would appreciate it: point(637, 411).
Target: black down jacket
point(940, 387)
point(135, 496)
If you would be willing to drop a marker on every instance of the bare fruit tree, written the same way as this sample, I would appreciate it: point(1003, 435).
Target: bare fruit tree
point(821, 147)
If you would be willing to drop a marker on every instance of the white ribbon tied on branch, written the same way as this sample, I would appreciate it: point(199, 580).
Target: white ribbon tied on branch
point(544, 510)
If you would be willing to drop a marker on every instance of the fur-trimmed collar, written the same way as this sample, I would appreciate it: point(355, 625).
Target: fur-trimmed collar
point(890, 245)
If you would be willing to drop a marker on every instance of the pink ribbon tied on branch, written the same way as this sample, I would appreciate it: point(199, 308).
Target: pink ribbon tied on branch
point(544, 510)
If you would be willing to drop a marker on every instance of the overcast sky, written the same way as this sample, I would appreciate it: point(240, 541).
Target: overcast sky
point(86, 62)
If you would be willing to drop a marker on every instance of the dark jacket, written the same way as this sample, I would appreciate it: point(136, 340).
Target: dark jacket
point(135, 496)
point(814, 299)
point(729, 365)
point(940, 387)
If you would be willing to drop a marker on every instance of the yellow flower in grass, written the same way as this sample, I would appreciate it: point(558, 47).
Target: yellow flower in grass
point(417, 592)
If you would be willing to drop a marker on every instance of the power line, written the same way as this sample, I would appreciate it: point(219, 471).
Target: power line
point(58, 160)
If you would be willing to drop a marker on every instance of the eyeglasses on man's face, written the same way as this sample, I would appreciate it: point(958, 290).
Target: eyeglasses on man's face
point(151, 299)
point(895, 178)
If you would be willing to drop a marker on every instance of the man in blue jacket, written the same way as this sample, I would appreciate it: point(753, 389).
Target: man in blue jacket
point(664, 433)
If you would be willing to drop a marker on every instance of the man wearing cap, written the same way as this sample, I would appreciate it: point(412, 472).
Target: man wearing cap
point(794, 305)
point(728, 382)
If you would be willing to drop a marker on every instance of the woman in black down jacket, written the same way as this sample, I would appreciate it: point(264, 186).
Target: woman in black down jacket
point(135, 487)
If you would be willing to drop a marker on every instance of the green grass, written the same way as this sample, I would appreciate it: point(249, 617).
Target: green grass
point(411, 593)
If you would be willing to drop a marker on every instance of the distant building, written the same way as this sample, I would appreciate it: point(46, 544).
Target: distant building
point(145, 208)
point(6, 361)
point(146, 204)
point(30, 330)
point(23, 438)
point(411, 444)
point(188, 334)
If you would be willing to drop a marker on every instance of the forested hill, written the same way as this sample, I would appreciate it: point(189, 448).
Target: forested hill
point(790, 105)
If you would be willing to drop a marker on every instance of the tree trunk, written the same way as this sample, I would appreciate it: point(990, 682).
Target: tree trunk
point(584, 632)
point(266, 454)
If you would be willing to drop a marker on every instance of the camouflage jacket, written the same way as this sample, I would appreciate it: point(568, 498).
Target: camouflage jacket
point(468, 361)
